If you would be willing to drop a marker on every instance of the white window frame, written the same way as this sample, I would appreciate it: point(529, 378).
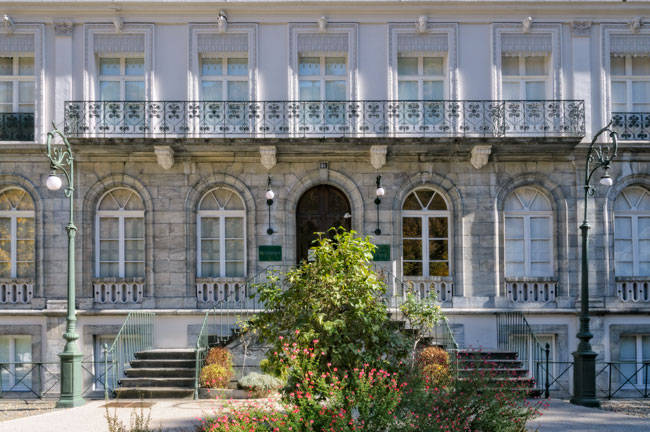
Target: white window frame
point(323, 77)
point(424, 216)
point(522, 78)
point(13, 215)
point(12, 361)
point(421, 77)
point(639, 362)
point(224, 78)
point(122, 78)
point(120, 215)
point(628, 79)
point(634, 221)
point(16, 79)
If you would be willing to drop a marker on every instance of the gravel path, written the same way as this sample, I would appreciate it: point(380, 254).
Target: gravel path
point(16, 408)
point(633, 407)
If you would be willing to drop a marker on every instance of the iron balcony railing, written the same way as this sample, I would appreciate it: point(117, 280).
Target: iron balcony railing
point(16, 126)
point(378, 118)
point(631, 126)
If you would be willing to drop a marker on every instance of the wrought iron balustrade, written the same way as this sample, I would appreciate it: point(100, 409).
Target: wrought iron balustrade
point(16, 126)
point(631, 126)
point(358, 119)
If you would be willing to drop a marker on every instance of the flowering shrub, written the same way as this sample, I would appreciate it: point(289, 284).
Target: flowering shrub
point(260, 384)
point(219, 356)
point(215, 376)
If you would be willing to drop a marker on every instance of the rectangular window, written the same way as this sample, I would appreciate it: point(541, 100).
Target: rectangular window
point(121, 79)
point(524, 77)
point(16, 245)
point(630, 83)
point(222, 244)
point(16, 357)
point(17, 84)
point(224, 78)
point(634, 350)
point(322, 78)
point(420, 78)
point(121, 247)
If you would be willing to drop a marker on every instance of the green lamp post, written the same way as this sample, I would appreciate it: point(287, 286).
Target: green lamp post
point(61, 159)
point(584, 359)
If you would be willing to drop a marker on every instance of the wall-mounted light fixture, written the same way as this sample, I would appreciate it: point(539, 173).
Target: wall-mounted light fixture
point(269, 202)
point(379, 193)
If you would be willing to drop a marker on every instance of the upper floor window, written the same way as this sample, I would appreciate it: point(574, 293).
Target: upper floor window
point(322, 78)
point(524, 77)
point(630, 83)
point(119, 247)
point(221, 240)
point(224, 78)
point(121, 79)
point(528, 228)
point(17, 84)
point(425, 234)
point(420, 78)
point(632, 232)
point(16, 234)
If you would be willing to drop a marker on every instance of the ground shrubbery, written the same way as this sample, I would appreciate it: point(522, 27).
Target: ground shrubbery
point(218, 370)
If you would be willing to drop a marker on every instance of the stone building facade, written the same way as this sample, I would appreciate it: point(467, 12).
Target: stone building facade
point(327, 96)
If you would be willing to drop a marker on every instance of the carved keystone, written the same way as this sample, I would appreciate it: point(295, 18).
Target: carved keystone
point(165, 156)
point(268, 156)
point(480, 155)
point(378, 156)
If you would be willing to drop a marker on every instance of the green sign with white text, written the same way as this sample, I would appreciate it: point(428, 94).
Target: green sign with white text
point(382, 253)
point(270, 253)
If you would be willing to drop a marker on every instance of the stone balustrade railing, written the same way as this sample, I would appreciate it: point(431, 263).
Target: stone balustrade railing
point(531, 290)
point(210, 290)
point(14, 291)
point(424, 286)
point(633, 290)
point(114, 291)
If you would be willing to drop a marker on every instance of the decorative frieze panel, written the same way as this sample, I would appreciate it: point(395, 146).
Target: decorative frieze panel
point(119, 43)
point(633, 290)
point(529, 44)
point(335, 42)
point(17, 43)
point(118, 291)
point(425, 286)
point(527, 291)
point(16, 291)
point(222, 289)
point(222, 43)
point(425, 43)
point(635, 45)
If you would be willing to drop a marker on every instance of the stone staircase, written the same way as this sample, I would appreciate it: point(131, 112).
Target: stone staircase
point(159, 374)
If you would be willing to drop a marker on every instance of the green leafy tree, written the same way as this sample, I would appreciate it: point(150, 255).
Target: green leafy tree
point(337, 300)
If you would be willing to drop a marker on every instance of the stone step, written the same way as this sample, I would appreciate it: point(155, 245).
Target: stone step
point(488, 355)
point(160, 372)
point(489, 363)
point(503, 372)
point(157, 382)
point(166, 354)
point(162, 363)
point(154, 393)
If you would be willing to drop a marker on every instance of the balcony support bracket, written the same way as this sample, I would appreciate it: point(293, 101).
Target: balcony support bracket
point(480, 155)
point(165, 156)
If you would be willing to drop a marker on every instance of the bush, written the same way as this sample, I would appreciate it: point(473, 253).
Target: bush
point(432, 355)
point(260, 384)
point(219, 356)
point(215, 376)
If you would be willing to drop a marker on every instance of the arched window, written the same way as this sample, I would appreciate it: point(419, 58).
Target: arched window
point(528, 227)
point(221, 244)
point(16, 234)
point(632, 232)
point(119, 237)
point(425, 234)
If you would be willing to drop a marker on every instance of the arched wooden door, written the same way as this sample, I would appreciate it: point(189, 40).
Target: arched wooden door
point(319, 209)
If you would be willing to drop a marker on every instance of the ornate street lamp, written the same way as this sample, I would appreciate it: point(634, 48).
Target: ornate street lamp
point(584, 359)
point(269, 202)
point(61, 160)
point(380, 192)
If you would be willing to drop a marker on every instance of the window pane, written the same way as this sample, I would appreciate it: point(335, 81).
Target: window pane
point(108, 228)
point(109, 250)
point(134, 90)
point(334, 65)
point(309, 66)
point(109, 270)
point(335, 90)
point(641, 92)
point(238, 66)
point(7, 93)
point(109, 66)
point(211, 90)
point(644, 250)
point(433, 90)
point(132, 270)
point(134, 66)
point(407, 65)
point(412, 249)
point(514, 269)
point(624, 269)
point(25, 250)
point(234, 227)
point(134, 250)
point(210, 250)
point(535, 90)
point(540, 227)
point(209, 227)
point(438, 269)
point(540, 250)
point(437, 227)
point(640, 65)
point(511, 90)
point(645, 348)
point(514, 251)
point(5, 228)
point(619, 92)
point(509, 66)
point(235, 250)
point(210, 269)
point(438, 250)
point(540, 269)
point(211, 66)
point(617, 65)
point(644, 227)
point(25, 269)
point(627, 353)
point(309, 90)
point(433, 66)
point(6, 66)
point(134, 228)
point(407, 90)
point(26, 96)
point(238, 90)
point(622, 227)
point(514, 227)
point(26, 66)
point(412, 268)
point(535, 65)
point(234, 269)
point(109, 90)
point(623, 250)
point(24, 228)
point(412, 227)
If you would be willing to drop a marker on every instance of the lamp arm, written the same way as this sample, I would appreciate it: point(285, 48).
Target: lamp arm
point(602, 156)
point(61, 158)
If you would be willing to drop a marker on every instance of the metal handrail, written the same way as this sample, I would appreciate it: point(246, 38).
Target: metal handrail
point(524, 343)
point(135, 335)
